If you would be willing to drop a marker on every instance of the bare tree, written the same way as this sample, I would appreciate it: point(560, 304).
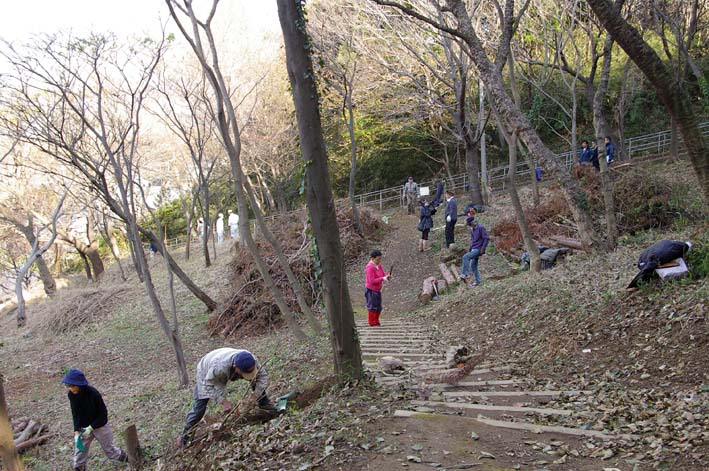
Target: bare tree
point(345, 346)
point(184, 108)
point(87, 117)
point(669, 89)
point(228, 127)
point(336, 47)
point(35, 252)
point(510, 113)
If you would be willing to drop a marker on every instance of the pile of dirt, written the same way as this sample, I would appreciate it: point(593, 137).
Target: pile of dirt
point(251, 309)
point(71, 309)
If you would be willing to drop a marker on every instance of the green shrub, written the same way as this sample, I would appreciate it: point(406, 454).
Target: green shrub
point(698, 257)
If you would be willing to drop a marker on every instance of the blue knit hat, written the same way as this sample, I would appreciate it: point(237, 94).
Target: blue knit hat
point(75, 378)
point(244, 361)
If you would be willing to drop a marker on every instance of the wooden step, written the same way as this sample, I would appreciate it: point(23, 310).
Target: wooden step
point(486, 407)
point(522, 426)
point(472, 384)
point(513, 393)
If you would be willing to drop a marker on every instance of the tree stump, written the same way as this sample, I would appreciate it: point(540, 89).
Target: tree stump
point(427, 291)
point(455, 272)
point(447, 275)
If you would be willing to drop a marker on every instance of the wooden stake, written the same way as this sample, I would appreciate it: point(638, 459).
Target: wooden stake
point(133, 447)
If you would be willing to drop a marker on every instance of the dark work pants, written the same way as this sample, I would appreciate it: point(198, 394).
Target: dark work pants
point(450, 232)
point(199, 408)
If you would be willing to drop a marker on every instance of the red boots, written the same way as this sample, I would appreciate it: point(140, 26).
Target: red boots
point(373, 318)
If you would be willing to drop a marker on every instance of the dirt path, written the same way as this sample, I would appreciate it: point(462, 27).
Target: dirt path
point(495, 418)
point(410, 268)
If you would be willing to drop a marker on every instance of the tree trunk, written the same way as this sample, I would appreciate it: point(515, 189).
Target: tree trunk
point(602, 130)
point(529, 244)
point(205, 225)
point(133, 256)
point(515, 120)
point(427, 290)
point(461, 118)
point(87, 265)
point(171, 334)
point(675, 98)
point(113, 245)
point(674, 138)
point(353, 163)
point(483, 145)
point(50, 286)
point(345, 346)
point(95, 259)
point(10, 458)
point(447, 274)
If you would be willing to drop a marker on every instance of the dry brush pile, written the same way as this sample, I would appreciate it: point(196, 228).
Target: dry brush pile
point(645, 198)
point(250, 308)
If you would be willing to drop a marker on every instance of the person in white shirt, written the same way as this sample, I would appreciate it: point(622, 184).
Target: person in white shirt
point(220, 228)
point(233, 222)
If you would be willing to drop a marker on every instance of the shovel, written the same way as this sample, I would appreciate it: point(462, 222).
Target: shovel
point(282, 402)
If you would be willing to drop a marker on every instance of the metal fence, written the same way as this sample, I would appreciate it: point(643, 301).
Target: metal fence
point(657, 144)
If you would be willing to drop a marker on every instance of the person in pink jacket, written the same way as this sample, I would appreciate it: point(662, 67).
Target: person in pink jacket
point(374, 278)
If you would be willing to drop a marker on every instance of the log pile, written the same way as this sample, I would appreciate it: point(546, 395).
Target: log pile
point(433, 287)
point(27, 433)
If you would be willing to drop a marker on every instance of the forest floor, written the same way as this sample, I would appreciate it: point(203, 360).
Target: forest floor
point(640, 359)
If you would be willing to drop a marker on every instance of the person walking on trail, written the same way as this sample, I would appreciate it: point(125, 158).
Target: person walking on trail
point(610, 150)
point(478, 244)
point(233, 222)
point(220, 228)
point(90, 418)
point(200, 229)
point(375, 276)
point(410, 195)
point(451, 218)
point(425, 223)
point(214, 371)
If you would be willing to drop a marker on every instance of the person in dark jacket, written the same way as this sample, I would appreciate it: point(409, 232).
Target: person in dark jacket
point(478, 244)
point(610, 150)
point(451, 218)
point(425, 223)
point(90, 418)
point(659, 253)
point(586, 153)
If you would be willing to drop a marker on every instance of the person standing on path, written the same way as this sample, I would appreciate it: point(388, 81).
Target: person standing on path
point(478, 243)
point(233, 222)
point(220, 228)
point(451, 218)
point(410, 195)
point(90, 417)
point(214, 371)
point(425, 223)
point(374, 276)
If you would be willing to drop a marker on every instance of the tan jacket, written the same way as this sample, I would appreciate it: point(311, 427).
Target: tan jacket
point(213, 374)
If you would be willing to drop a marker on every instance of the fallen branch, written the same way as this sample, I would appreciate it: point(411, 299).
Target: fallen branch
point(32, 442)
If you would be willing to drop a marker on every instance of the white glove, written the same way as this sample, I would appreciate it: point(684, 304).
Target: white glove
point(448, 218)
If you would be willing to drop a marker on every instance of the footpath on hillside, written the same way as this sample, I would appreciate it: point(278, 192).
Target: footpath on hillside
point(448, 413)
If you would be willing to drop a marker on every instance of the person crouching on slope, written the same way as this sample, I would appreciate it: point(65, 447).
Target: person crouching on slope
point(214, 371)
point(90, 420)
point(374, 277)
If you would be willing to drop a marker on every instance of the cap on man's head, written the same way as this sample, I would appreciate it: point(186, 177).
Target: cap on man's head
point(75, 378)
point(246, 363)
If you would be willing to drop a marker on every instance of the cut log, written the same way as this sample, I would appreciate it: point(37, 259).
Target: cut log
point(441, 286)
point(427, 290)
point(27, 432)
point(133, 447)
point(567, 242)
point(447, 275)
point(455, 272)
point(32, 442)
